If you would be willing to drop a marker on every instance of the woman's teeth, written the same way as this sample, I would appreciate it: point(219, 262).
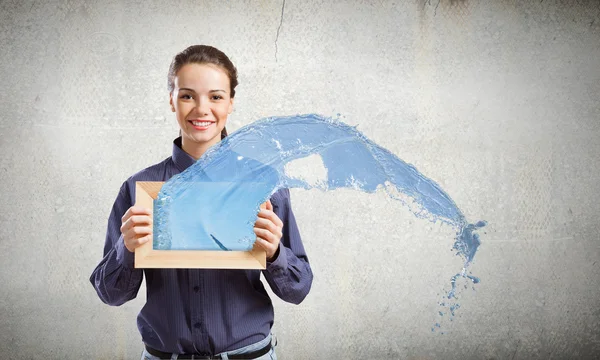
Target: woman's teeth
point(201, 123)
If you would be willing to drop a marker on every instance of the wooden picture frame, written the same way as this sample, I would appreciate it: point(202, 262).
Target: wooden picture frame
point(147, 257)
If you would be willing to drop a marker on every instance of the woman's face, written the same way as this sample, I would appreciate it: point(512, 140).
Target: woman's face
point(201, 101)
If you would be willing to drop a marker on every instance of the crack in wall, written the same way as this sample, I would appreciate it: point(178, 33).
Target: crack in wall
point(279, 28)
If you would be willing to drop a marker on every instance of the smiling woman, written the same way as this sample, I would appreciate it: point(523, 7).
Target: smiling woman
point(201, 95)
point(201, 106)
point(202, 313)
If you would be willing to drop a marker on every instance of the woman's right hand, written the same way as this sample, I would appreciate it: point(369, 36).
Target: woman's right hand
point(136, 227)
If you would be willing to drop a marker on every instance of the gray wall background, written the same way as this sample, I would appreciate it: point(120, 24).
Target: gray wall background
point(497, 101)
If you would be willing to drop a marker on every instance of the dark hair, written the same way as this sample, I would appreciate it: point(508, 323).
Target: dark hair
point(203, 54)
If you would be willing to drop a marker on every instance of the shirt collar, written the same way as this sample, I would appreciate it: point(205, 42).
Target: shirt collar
point(181, 159)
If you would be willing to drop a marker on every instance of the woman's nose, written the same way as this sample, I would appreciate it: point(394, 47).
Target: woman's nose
point(202, 106)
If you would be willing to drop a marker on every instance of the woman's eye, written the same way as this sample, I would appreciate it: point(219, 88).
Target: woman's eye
point(185, 96)
point(217, 97)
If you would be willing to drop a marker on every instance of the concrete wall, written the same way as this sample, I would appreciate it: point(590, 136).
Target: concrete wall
point(497, 101)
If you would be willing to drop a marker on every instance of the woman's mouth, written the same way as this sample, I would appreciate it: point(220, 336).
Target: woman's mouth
point(201, 124)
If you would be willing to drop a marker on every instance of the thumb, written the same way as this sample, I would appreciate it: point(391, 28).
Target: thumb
point(269, 205)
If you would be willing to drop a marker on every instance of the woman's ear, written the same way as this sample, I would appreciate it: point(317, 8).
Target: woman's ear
point(230, 109)
point(171, 102)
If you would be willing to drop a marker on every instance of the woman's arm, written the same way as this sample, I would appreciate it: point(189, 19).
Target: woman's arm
point(289, 273)
point(115, 279)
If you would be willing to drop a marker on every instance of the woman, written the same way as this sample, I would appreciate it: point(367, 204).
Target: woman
point(201, 313)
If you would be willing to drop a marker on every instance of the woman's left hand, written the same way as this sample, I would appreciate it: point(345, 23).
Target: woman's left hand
point(268, 229)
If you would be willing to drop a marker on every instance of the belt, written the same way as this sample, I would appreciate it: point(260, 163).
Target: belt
point(250, 355)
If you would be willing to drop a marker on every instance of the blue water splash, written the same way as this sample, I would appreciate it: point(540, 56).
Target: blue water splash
point(218, 197)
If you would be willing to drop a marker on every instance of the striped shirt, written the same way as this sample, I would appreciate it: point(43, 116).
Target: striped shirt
point(201, 311)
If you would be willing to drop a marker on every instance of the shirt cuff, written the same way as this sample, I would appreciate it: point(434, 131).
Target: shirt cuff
point(280, 262)
point(124, 256)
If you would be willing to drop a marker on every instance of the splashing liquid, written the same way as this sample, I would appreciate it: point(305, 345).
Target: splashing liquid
point(213, 204)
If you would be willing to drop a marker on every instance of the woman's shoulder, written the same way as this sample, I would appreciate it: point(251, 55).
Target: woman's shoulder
point(157, 172)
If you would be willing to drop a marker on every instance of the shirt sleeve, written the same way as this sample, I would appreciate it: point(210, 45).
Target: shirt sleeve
point(115, 279)
point(289, 274)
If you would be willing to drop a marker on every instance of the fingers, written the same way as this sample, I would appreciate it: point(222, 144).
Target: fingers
point(270, 215)
point(268, 229)
point(269, 247)
point(137, 237)
point(134, 221)
point(135, 210)
point(267, 240)
point(137, 231)
point(269, 226)
point(136, 227)
point(132, 243)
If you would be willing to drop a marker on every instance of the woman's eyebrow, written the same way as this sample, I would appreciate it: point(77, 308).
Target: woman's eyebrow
point(192, 90)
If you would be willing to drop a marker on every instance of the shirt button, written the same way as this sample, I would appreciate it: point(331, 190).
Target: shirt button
point(197, 325)
point(196, 288)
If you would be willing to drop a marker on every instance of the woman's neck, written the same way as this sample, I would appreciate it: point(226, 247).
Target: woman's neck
point(195, 150)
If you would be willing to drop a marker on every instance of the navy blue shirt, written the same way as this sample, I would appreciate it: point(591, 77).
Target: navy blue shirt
point(200, 310)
